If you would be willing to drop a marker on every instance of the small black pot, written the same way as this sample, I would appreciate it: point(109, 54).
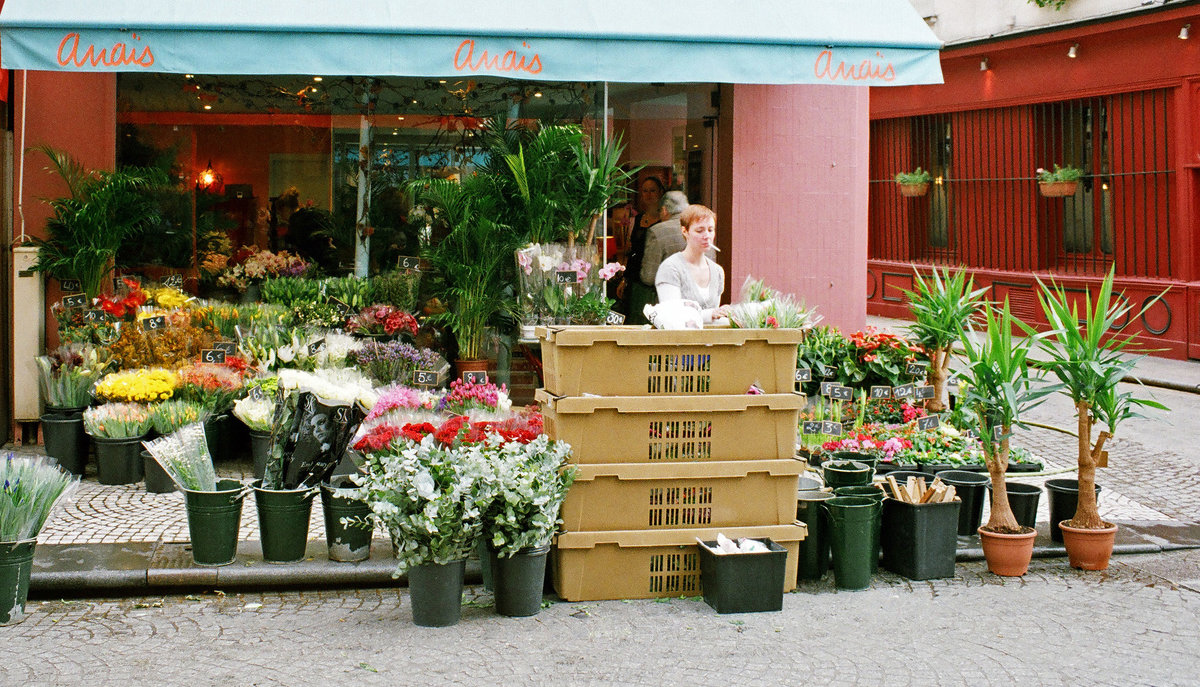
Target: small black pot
point(118, 461)
point(435, 592)
point(66, 441)
point(519, 580)
point(157, 479)
point(1064, 499)
point(971, 487)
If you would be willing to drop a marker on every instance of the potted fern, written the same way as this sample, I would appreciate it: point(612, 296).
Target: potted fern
point(942, 307)
point(1059, 182)
point(913, 184)
point(1000, 388)
point(1089, 364)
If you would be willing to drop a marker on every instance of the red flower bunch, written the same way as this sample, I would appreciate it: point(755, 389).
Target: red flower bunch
point(379, 438)
point(241, 255)
point(127, 305)
point(382, 319)
point(521, 429)
point(448, 433)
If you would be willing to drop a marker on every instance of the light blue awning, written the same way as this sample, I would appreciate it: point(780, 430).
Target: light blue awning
point(852, 42)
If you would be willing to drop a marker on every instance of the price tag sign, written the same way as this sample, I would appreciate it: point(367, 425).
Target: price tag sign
point(881, 392)
point(155, 324)
point(904, 391)
point(425, 378)
point(77, 300)
point(842, 393)
point(212, 355)
point(998, 433)
point(915, 369)
point(173, 281)
point(927, 423)
point(475, 377)
point(566, 277)
point(409, 262)
point(257, 393)
point(614, 318)
point(315, 347)
point(827, 388)
point(828, 427)
point(343, 310)
point(812, 427)
point(70, 285)
point(803, 374)
point(95, 316)
point(229, 347)
point(970, 434)
point(924, 392)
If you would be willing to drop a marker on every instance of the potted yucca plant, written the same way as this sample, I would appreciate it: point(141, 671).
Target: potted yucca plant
point(1090, 364)
point(942, 307)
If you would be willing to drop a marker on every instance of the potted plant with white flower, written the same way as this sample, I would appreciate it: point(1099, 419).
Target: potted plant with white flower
point(1058, 182)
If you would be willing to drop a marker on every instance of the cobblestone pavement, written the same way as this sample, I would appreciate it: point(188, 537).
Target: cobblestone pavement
point(1128, 626)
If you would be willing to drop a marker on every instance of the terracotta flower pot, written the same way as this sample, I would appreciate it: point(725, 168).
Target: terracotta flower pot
point(1007, 555)
point(914, 190)
point(1057, 189)
point(1088, 549)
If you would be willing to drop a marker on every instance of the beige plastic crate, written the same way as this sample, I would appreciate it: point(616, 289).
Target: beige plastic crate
point(634, 361)
point(673, 429)
point(623, 496)
point(647, 564)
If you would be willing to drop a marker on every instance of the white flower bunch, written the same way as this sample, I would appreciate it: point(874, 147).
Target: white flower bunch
point(255, 413)
point(347, 385)
point(337, 348)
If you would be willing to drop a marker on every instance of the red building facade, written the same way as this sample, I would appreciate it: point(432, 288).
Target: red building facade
point(1119, 99)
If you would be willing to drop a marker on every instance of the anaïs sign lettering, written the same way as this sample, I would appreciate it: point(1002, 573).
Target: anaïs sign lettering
point(867, 70)
point(466, 58)
point(73, 52)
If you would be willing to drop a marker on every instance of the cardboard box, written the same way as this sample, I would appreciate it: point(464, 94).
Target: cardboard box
point(623, 496)
point(634, 361)
point(649, 564)
point(673, 429)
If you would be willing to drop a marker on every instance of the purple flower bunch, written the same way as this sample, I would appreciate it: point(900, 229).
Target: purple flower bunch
point(393, 361)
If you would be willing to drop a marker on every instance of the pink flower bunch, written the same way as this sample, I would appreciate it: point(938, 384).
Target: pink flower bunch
point(382, 319)
point(579, 266)
point(610, 270)
point(525, 261)
point(465, 396)
point(401, 398)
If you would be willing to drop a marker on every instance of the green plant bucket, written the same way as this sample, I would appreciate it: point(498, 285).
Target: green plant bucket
point(16, 564)
point(157, 479)
point(435, 592)
point(487, 564)
point(971, 487)
point(813, 558)
point(1064, 499)
point(283, 517)
point(920, 541)
point(260, 451)
point(519, 581)
point(852, 522)
point(66, 441)
point(347, 543)
point(214, 518)
point(743, 582)
point(118, 461)
point(218, 436)
point(870, 492)
point(846, 473)
point(858, 456)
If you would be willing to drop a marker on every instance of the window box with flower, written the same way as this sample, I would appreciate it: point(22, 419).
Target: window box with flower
point(913, 184)
point(1059, 182)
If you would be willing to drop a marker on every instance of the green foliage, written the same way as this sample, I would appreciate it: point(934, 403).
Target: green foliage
point(1055, 4)
point(1067, 173)
point(399, 289)
point(917, 176)
point(942, 306)
point(1087, 362)
point(1000, 383)
point(102, 212)
point(822, 350)
point(29, 488)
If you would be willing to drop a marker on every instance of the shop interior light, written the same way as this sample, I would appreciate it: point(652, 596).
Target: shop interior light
point(1183, 33)
point(208, 107)
point(1073, 51)
point(938, 181)
point(207, 178)
point(318, 78)
point(189, 76)
point(538, 94)
point(984, 65)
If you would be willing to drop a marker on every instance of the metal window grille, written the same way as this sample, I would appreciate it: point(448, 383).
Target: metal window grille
point(984, 210)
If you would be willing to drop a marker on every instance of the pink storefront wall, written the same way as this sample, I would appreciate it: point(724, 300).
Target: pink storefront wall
point(794, 210)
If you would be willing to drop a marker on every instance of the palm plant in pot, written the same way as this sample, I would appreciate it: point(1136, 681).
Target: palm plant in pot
point(472, 263)
point(1000, 388)
point(102, 211)
point(942, 307)
point(1090, 364)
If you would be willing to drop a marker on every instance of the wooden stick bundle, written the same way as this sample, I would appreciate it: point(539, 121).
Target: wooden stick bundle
point(916, 492)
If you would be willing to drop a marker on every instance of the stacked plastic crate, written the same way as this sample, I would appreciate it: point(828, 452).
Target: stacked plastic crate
point(678, 435)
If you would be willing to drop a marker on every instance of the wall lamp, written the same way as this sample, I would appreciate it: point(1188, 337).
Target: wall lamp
point(1183, 33)
point(1073, 51)
point(984, 65)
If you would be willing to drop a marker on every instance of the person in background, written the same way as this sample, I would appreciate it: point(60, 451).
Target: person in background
point(666, 237)
point(634, 293)
point(282, 209)
point(690, 275)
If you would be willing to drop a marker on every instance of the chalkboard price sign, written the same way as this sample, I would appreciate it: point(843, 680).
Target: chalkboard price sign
point(904, 391)
point(173, 281)
point(315, 347)
point(924, 392)
point(614, 318)
point(827, 388)
point(229, 347)
point(94, 316)
point(155, 324)
point(566, 277)
point(70, 285)
point(77, 300)
point(841, 393)
point(812, 427)
point(212, 355)
point(803, 374)
point(927, 423)
point(425, 378)
point(475, 377)
point(828, 427)
point(881, 392)
point(915, 369)
point(409, 262)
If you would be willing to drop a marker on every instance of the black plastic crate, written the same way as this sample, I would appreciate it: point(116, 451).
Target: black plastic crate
point(743, 582)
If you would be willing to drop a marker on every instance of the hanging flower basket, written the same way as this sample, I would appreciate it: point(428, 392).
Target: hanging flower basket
point(914, 190)
point(1058, 189)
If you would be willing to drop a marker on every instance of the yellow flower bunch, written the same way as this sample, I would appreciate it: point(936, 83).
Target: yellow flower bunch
point(167, 297)
point(142, 385)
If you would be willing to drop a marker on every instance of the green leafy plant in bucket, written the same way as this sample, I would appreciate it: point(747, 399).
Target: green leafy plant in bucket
point(917, 176)
point(29, 488)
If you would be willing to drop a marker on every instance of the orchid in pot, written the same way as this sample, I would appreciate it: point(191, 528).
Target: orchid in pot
point(1090, 364)
point(1001, 387)
point(30, 486)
